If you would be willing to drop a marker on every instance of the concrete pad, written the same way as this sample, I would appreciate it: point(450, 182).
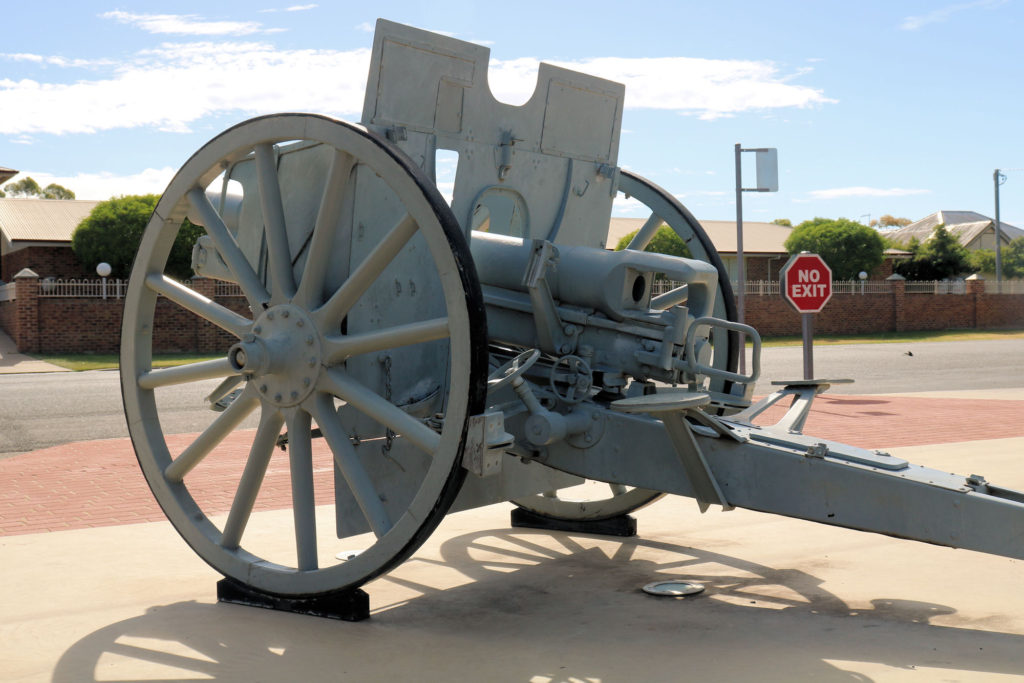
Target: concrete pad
point(13, 362)
point(786, 600)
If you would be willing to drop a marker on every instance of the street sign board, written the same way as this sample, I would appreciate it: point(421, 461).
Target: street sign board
point(806, 282)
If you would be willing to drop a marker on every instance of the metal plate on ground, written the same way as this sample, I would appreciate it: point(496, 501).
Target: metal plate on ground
point(674, 588)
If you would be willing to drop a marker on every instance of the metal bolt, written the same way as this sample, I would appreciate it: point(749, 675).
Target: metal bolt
point(270, 315)
point(305, 381)
point(312, 362)
point(295, 395)
point(285, 313)
point(257, 329)
point(569, 330)
point(277, 397)
point(300, 322)
point(263, 388)
point(309, 340)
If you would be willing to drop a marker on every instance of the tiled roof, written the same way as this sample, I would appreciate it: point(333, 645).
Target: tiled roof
point(758, 238)
point(42, 220)
point(965, 225)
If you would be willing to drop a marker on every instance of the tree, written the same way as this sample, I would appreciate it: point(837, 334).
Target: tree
point(939, 257)
point(113, 229)
point(55, 191)
point(783, 221)
point(28, 187)
point(1012, 259)
point(848, 247)
point(888, 221)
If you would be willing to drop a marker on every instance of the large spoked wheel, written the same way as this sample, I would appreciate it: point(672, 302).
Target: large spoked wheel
point(594, 501)
point(364, 320)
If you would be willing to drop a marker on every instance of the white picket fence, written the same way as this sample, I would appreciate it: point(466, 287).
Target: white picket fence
point(771, 287)
point(102, 288)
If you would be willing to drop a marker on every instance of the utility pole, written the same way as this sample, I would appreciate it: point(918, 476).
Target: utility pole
point(997, 180)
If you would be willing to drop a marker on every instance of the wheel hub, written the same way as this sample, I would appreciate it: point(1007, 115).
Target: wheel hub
point(282, 355)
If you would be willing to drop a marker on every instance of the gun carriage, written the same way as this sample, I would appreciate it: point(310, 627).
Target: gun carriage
point(436, 356)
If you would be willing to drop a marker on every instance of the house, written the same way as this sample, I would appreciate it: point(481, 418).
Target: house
point(36, 234)
point(972, 229)
point(764, 253)
point(6, 174)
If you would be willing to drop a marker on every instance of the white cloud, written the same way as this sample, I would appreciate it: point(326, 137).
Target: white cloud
point(842, 192)
point(936, 16)
point(710, 88)
point(176, 84)
point(103, 186)
point(54, 60)
point(187, 24)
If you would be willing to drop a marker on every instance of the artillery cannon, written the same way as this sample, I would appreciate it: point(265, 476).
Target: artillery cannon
point(453, 355)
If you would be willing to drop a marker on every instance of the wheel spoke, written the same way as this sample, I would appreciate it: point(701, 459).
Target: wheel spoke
point(211, 436)
point(300, 458)
point(338, 383)
point(339, 348)
point(182, 374)
point(670, 298)
point(228, 248)
point(249, 485)
point(366, 274)
point(206, 309)
point(273, 222)
point(351, 468)
point(321, 248)
point(646, 233)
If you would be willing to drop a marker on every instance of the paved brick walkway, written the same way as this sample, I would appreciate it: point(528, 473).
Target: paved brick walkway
point(98, 483)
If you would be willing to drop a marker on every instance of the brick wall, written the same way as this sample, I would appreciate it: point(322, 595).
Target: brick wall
point(893, 312)
point(93, 325)
point(57, 262)
point(88, 325)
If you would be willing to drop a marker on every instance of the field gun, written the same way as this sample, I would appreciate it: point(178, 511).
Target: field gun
point(415, 355)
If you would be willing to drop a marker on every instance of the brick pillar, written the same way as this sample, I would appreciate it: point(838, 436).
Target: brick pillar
point(899, 292)
point(976, 292)
point(26, 319)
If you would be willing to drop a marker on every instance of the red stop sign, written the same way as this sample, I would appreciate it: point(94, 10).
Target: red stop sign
point(806, 282)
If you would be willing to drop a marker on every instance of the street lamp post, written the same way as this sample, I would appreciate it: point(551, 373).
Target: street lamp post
point(767, 181)
point(103, 270)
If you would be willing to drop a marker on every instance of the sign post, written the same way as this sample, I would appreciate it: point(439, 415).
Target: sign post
point(807, 285)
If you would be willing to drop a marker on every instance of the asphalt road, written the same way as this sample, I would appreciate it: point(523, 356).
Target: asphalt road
point(41, 410)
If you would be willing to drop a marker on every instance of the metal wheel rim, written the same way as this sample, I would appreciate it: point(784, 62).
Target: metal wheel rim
point(466, 332)
point(557, 504)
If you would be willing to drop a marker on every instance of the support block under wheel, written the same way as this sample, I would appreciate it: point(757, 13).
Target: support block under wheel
point(623, 525)
point(346, 605)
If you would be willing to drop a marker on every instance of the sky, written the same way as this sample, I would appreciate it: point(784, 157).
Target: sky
point(901, 107)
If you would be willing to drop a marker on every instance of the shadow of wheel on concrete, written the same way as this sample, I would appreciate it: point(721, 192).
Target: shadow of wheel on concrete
point(524, 605)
